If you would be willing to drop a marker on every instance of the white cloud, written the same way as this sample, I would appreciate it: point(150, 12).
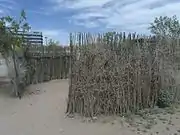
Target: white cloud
point(76, 4)
point(6, 6)
point(8, 1)
point(88, 15)
point(86, 23)
point(88, 3)
point(131, 15)
point(40, 11)
point(1, 12)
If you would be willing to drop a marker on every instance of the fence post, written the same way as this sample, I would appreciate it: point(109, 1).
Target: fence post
point(69, 106)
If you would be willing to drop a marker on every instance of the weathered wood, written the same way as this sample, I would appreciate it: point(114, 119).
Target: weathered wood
point(38, 64)
point(49, 63)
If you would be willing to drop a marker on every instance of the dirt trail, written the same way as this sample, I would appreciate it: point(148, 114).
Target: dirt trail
point(42, 112)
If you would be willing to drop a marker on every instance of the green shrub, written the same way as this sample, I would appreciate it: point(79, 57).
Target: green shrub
point(166, 97)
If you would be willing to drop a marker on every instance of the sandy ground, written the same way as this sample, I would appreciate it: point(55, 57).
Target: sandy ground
point(42, 112)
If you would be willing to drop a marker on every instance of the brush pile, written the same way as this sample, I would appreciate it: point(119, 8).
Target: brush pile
point(114, 81)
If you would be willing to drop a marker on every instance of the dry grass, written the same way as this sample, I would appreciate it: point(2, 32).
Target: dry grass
point(119, 75)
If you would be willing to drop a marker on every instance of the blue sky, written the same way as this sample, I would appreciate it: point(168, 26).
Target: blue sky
point(56, 18)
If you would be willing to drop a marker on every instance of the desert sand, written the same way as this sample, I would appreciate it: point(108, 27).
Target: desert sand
point(41, 111)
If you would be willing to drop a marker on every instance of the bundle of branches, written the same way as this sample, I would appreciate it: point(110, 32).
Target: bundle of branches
point(106, 82)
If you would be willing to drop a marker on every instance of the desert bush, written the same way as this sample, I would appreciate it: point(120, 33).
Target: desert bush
point(168, 96)
point(165, 97)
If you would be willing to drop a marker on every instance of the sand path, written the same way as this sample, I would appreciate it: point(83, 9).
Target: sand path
point(42, 112)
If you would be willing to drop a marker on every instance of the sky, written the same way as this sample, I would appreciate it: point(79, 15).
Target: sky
point(57, 18)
